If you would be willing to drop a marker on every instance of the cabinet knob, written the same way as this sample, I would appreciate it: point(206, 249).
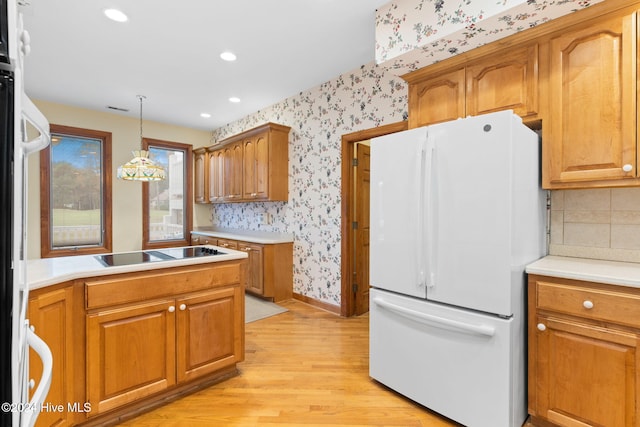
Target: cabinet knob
point(627, 167)
point(541, 327)
point(183, 307)
point(587, 304)
point(172, 308)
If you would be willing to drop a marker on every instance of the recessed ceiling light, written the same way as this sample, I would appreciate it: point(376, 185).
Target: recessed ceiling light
point(234, 99)
point(228, 56)
point(205, 115)
point(116, 15)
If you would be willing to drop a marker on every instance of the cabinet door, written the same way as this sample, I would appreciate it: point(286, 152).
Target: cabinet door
point(200, 176)
point(215, 161)
point(585, 375)
point(130, 354)
point(437, 99)
point(233, 172)
point(505, 81)
point(209, 332)
point(256, 167)
point(590, 133)
point(255, 267)
point(51, 314)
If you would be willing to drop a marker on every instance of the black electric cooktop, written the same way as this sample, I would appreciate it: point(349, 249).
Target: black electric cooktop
point(157, 255)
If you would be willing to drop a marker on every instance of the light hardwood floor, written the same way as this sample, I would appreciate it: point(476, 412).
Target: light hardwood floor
point(305, 367)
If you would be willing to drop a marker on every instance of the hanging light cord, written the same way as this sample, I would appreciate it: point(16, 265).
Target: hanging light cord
point(141, 97)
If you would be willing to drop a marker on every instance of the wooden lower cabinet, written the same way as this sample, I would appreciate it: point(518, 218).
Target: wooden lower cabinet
point(57, 316)
point(154, 332)
point(130, 354)
point(255, 267)
point(210, 332)
point(583, 353)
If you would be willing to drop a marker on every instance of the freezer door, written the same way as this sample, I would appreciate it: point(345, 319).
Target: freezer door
point(475, 185)
point(397, 260)
point(466, 366)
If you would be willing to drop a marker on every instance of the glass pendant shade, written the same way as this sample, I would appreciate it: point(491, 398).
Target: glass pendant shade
point(141, 168)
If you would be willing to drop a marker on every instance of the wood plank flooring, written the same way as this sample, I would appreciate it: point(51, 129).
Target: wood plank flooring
point(305, 367)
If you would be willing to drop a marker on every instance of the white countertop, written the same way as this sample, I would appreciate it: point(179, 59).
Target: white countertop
point(592, 270)
point(50, 271)
point(254, 236)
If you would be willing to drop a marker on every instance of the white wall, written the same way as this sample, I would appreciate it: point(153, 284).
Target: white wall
point(126, 195)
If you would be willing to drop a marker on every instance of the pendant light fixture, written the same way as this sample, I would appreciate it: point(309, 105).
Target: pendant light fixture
point(141, 167)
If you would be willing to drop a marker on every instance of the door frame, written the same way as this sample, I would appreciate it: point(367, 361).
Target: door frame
point(347, 303)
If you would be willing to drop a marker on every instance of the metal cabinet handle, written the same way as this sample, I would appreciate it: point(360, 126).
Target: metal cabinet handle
point(587, 304)
point(254, 194)
point(172, 308)
point(247, 249)
point(627, 168)
point(542, 327)
point(183, 307)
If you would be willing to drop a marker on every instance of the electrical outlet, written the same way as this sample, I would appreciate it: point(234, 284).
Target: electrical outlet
point(264, 218)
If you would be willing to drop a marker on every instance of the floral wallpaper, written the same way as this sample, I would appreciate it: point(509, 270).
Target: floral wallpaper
point(368, 97)
point(428, 31)
point(361, 99)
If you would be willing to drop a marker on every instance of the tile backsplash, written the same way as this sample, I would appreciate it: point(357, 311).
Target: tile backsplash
point(596, 223)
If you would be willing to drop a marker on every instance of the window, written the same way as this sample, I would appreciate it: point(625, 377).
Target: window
point(75, 202)
point(167, 204)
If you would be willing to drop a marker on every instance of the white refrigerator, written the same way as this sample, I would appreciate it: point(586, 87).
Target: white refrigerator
point(457, 212)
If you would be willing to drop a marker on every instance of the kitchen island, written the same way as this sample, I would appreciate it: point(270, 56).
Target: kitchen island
point(127, 338)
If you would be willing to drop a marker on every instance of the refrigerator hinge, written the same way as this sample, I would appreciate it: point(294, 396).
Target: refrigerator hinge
point(354, 225)
point(354, 162)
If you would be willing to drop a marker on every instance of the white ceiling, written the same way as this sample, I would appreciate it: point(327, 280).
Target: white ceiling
point(169, 52)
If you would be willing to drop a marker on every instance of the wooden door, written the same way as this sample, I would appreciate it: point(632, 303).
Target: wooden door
point(591, 131)
point(130, 354)
point(585, 375)
point(504, 81)
point(209, 332)
point(215, 161)
point(255, 267)
point(363, 181)
point(199, 167)
point(52, 317)
point(437, 99)
point(233, 172)
point(256, 167)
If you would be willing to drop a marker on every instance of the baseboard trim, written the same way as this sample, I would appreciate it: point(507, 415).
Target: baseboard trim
point(335, 309)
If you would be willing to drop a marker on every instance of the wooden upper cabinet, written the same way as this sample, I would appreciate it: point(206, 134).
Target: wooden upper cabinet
point(437, 99)
point(232, 182)
point(499, 81)
point(590, 134)
point(215, 171)
point(256, 167)
point(199, 178)
point(505, 82)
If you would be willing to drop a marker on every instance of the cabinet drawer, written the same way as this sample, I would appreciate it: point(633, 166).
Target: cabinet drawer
point(126, 288)
point(598, 304)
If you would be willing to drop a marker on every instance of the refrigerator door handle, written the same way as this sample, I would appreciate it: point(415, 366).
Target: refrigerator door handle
point(41, 348)
point(436, 321)
point(431, 195)
point(34, 116)
point(420, 250)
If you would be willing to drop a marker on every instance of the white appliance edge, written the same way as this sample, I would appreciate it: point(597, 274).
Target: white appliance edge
point(24, 411)
point(456, 214)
